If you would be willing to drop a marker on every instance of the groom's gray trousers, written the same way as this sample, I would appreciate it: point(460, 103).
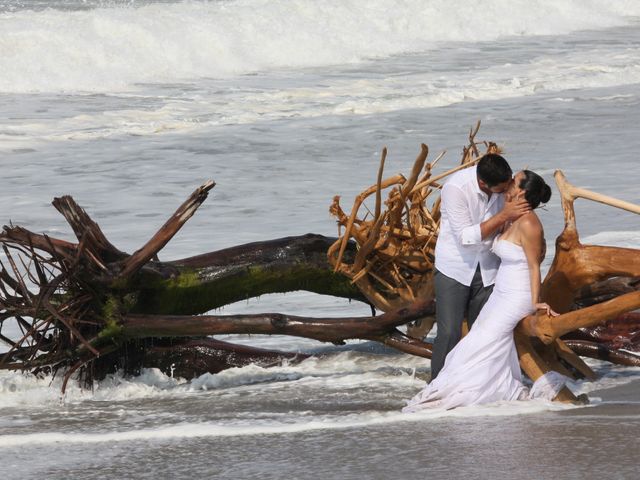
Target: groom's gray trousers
point(453, 301)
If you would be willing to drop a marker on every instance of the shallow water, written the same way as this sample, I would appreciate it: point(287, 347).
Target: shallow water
point(282, 121)
point(323, 418)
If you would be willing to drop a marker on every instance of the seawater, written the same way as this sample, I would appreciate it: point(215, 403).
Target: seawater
point(130, 105)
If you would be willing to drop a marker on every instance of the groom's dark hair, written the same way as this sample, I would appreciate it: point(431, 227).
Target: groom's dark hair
point(493, 169)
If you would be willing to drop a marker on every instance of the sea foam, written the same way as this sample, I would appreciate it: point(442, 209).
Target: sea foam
point(275, 427)
point(113, 49)
point(341, 370)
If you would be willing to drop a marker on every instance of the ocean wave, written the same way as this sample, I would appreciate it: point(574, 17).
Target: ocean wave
point(230, 102)
point(342, 370)
point(623, 238)
point(113, 49)
point(318, 376)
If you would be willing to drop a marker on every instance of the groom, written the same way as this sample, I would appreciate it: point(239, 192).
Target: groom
point(473, 209)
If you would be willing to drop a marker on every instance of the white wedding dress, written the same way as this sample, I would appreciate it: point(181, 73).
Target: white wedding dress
point(483, 367)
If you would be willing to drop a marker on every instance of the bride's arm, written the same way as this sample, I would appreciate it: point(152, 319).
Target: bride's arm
point(532, 239)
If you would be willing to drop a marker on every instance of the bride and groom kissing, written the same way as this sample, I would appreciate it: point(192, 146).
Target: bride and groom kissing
point(487, 261)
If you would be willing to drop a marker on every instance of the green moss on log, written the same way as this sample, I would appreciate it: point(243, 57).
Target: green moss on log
point(193, 292)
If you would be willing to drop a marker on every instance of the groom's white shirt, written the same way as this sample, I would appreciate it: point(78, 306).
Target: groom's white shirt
point(460, 247)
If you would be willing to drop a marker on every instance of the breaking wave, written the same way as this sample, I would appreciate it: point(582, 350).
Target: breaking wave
point(112, 48)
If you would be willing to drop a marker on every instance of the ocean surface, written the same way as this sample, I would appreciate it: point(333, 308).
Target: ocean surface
point(128, 106)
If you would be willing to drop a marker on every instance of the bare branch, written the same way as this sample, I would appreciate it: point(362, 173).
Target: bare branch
point(167, 231)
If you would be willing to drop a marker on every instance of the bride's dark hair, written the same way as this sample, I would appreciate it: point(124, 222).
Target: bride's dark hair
point(536, 191)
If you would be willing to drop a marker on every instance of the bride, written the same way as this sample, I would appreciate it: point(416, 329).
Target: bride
point(483, 367)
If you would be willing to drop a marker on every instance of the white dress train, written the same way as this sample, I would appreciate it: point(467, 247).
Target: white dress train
point(483, 367)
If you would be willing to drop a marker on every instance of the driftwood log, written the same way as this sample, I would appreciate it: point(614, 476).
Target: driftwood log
point(88, 308)
point(589, 285)
point(602, 280)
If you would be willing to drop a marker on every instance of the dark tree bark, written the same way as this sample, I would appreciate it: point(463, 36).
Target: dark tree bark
point(95, 305)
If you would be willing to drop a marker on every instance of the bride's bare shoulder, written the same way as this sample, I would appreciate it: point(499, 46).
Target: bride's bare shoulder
point(530, 224)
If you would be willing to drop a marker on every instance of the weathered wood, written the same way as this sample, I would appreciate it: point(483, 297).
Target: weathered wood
point(548, 328)
point(86, 230)
point(571, 358)
point(16, 235)
point(619, 331)
point(87, 320)
point(81, 305)
point(395, 260)
point(335, 330)
point(603, 352)
point(190, 358)
point(534, 366)
point(167, 231)
point(599, 292)
point(399, 341)
point(202, 283)
point(575, 267)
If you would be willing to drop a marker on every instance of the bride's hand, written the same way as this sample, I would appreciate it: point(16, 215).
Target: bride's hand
point(547, 308)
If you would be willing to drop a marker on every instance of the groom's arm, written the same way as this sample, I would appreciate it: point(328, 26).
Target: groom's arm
point(468, 232)
point(511, 211)
point(454, 203)
point(491, 226)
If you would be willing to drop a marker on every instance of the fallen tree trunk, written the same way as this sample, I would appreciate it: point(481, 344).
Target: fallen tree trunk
point(67, 299)
point(621, 332)
point(599, 351)
point(580, 275)
point(88, 307)
point(334, 330)
point(199, 284)
point(92, 301)
point(189, 358)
